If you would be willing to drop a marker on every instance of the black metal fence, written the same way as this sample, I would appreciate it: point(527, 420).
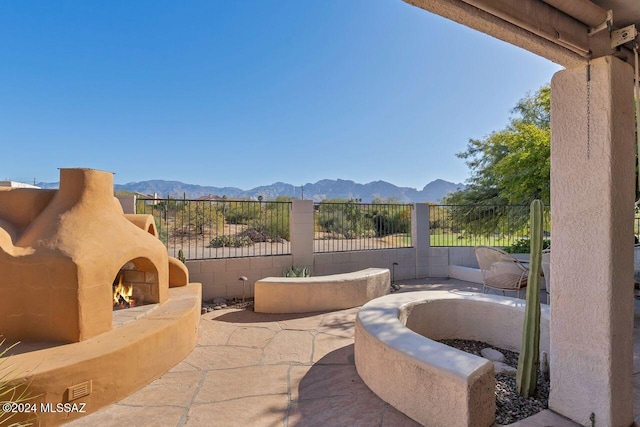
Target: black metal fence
point(354, 226)
point(205, 229)
point(221, 228)
point(472, 225)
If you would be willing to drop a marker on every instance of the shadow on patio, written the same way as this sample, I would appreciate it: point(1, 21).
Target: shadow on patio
point(251, 369)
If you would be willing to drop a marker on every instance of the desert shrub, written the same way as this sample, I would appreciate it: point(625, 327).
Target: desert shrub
point(275, 221)
point(345, 219)
point(391, 221)
point(258, 236)
point(230, 242)
point(241, 212)
point(340, 224)
point(523, 246)
point(195, 218)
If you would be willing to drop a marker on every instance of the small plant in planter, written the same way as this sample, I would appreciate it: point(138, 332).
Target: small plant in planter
point(297, 272)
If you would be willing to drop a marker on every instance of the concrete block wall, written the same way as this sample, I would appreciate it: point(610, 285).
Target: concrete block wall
point(438, 262)
point(463, 256)
point(219, 277)
point(346, 262)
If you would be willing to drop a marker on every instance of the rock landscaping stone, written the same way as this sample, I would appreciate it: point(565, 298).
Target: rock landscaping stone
point(224, 303)
point(503, 368)
point(510, 406)
point(492, 354)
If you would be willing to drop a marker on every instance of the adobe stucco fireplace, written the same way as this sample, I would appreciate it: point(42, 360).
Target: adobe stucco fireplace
point(62, 255)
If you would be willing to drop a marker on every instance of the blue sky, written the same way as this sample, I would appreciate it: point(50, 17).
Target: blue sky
point(250, 92)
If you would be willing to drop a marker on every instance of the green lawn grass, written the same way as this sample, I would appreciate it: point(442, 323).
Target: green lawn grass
point(397, 240)
point(455, 239)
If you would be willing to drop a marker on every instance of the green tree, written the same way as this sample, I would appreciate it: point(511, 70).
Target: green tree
point(508, 167)
point(512, 165)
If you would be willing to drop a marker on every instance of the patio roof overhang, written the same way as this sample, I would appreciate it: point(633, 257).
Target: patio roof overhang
point(567, 32)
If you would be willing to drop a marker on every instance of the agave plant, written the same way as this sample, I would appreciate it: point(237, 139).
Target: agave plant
point(10, 391)
point(297, 272)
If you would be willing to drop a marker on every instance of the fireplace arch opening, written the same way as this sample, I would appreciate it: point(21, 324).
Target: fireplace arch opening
point(135, 284)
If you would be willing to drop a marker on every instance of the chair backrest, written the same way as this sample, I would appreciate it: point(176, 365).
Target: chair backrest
point(499, 269)
point(487, 256)
point(546, 268)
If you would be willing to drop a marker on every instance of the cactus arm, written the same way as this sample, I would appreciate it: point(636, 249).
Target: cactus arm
point(527, 376)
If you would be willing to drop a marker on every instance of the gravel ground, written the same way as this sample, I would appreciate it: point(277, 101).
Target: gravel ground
point(510, 406)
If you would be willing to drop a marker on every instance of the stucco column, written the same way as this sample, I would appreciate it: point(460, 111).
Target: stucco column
point(420, 237)
point(592, 195)
point(301, 230)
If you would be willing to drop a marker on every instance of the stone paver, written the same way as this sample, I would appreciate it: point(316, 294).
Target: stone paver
point(259, 411)
point(323, 381)
point(135, 416)
point(351, 410)
point(339, 323)
point(289, 347)
point(251, 337)
point(219, 357)
point(252, 369)
point(172, 389)
point(329, 349)
point(215, 333)
point(303, 323)
point(183, 367)
point(236, 383)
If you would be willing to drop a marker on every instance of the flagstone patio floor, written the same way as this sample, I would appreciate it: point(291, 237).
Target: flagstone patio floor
point(251, 369)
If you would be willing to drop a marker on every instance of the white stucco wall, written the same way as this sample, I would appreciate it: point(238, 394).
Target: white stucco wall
point(436, 385)
point(592, 194)
point(320, 293)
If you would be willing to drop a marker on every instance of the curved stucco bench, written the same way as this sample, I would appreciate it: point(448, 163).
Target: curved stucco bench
point(397, 356)
point(320, 293)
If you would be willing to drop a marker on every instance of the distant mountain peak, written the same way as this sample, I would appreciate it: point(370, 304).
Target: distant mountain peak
point(318, 191)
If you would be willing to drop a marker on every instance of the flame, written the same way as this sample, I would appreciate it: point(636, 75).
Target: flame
point(122, 291)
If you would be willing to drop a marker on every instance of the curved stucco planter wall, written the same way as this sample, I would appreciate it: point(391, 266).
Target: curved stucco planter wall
point(320, 293)
point(398, 358)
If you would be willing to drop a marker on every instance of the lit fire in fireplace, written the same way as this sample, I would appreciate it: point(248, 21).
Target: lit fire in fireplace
point(122, 295)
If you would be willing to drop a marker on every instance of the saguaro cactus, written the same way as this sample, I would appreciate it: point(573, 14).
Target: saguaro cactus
point(527, 377)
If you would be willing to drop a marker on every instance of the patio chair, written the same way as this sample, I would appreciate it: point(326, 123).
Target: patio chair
point(501, 271)
point(546, 271)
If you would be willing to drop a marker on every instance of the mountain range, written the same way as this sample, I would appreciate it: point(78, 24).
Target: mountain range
point(321, 190)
